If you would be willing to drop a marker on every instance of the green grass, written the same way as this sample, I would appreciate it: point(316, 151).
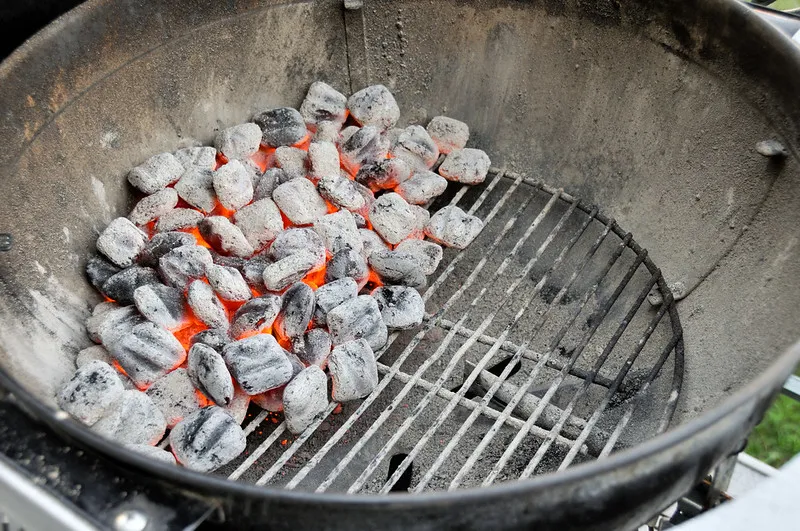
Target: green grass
point(785, 4)
point(777, 438)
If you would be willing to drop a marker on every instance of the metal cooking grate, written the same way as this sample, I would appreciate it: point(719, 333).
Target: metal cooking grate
point(541, 350)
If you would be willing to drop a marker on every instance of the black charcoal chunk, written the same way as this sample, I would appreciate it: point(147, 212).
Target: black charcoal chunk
point(228, 261)
point(323, 160)
point(384, 174)
point(305, 398)
point(416, 147)
point(392, 218)
point(206, 306)
point(196, 187)
point(313, 347)
point(90, 392)
point(293, 240)
point(225, 237)
point(253, 270)
point(183, 264)
point(283, 126)
point(133, 418)
point(422, 187)
point(372, 242)
point(153, 206)
point(398, 267)
point(175, 396)
point(292, 161)
point(356, 319)
point(179, 218)
point(374, 105)
point(339, 232)
point(452, 227)
point(279, 275)
point(162, 305)
point(147, 353)
point(161, 244)
point(207, 439)
point(428, 254)
point(299, 200)
point(258, 363)
point(256, 315)
point(209, 374)
point(99, 270)
point(212, 337)
point(153, 452)
point(268, 182)
point(448, 133)
point(296, 310)
point(332, 294)
point(156, 173)
point(323, 103)
point(327, 132)
point(93, 353)
point(121, 286)
point(202, 157)
point(362, 146)
point(121, 242)
point(353, 370)
point(260, 222)
point(347, 263)
point(401, 307)
point(233, 185)
point(467, 166)
point(228, 283)
point(107, 326)
point(341, 191)
point(239, 141)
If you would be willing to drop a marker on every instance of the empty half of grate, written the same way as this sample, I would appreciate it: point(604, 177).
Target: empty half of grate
point(550, 341)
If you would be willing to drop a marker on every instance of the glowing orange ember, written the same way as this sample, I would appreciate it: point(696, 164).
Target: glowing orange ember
point(194, 231)
point(315, 278)
point(184, 335)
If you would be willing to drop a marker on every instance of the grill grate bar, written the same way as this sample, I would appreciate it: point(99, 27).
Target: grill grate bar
point(259, 451)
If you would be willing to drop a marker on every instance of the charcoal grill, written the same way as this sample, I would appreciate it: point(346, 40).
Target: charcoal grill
point(553, 354)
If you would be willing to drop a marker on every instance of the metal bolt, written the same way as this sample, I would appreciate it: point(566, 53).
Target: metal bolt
point(130, 520)
point(6, 241)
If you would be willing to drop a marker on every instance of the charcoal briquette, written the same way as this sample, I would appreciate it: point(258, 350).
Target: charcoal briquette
point(90, 391)
point(225, 237)
point(253, 270)
point(107, 326)
point(296, 310)
point(348, 263)
point(183, 264)
point(292, 161)
point(428, 254)
point(290, 241)
point(260, 222)
point(153, 206)
point(98, 270)
point(162, 243)
point(363, 145)
point(299, 200)
point(93, 353)
point(356, 319)
point(339, 232)
point(448, 133)
point(239, 405)
point(283, 126)
point(332, 294)
point(361, 221)
point(341, 191)
point(392, 218)
point(228, 283)
point(207, 439)
point(153, 452)
point(206, 306)
point(256, 315)
point(121, 286)
point(397, 267)
point(466, 166)
point(374, 105)
point(271, 400)
point(209, 374)
point(279, 275)
point(196, 187)
point(401, 307)
point(422, 187)
point(258, 363)
point(175, 396)
point(121, 242)
point(201, 157)
point(416, 147)
point(305, 398)
point(179, 218)
point(156, 173)
point(353, 370)
point(233, 185)
point(323, 160)
point(327, 131)
point(212, 337)
point(228, 260)
point(162, 305)
point(239, 141)
point(146, 353)
point(384, 174)
point(371, 241)
point(452, 227)
point(268, 182)
point(313, 347)
point(323, 103)
point(132, 418)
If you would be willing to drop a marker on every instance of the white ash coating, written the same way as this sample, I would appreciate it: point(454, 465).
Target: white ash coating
point(339, 231)
point(208, 372)
point(121, 286)
point(201, 157)
point(467, 166)
point(196, 187)
point(238, 406)
point(211, 337)
point(448, 133)
point(422, 187)
point(228, 283)
point(332, 294)
point(175, 396)
point(256, 315)
point(225, 237)
point(109, 321)
point(327, 131)
point(398, 267)
point(233, 185)
point(384, 174)
point(353, 370)
point(260, 222)
point(179, 218)
point(348, 263)
point(162, 305)
point(313, 347)
point(286, 271)
point(90, 391)
point(258, 363)
point(239, 141)
point(206, 306)
point(162, 243)
point(356, 319)
point(452, 227)
point(93, 353)
point(423, 217)
point(283, 126)
point(392, 218)
point(133, 418)
point(156, 173)
point(362, 145)
point(296, 310)
point(207, 439)
point(347, 132)
point(416, 147)
point(292, 161)
point(299, 200)
point(183, 264)
point(121, 242)
point(254, 172)
point(323, 104)
point(374, 105)
point(372, 242)
point(428, 254)
point(305, 398)
point(401, 307)
point(147, 353)
point(323, 160)
point(153, 206)
point(297, 239)
point(341, 191)
point(153, 452)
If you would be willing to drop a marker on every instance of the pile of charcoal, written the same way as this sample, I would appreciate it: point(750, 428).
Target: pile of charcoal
point(256, 269)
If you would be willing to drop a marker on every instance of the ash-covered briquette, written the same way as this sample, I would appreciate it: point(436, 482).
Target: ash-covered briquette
point(268, 182)
point(299, 200)
point(323, 103)
point(271, 400)
point(98, 270)
point(260, 222)
point(296, 310)
point(428, 254)
point(175, 396)
point(332, 294)
point(356, 319)
point(156, 173)
point(207, 439)
point(392, 218)
point(179, 218)
point(209, 374)
point(341, 191)
point(180, 266)
point(162, 305)
point(239, 405)
point(258, 363)
point(256, 315)
point(146, 353)
point(305, 398)
point(294, 240)
point(313, 347)
point(239, 141)
point(206, 306)
point(201, 157)
point(448, 133)
point(153, 206)
point(286, 271)
point(363, 145)
point(255, 173)
point(162, 243)
point(121, 242)
point(297, 365)
point(93, 353)
point(453, 227)
point(233, 185)
point(422, 187)
point(339, 231)
point(90, 392)
point(196, 187)
point(383, 174)
point(401, 307)
point(346, 133)
point(348, 263)
point(397, 267)
point(225, 237)
point(323, 159)
point(121, 286)
point(212, 337)
point(227, 260)
point(228, 283)
point(467, 166)
point(132, 418)
point(327, 131)
point(283, 126)
point(361, 221)
point(153, 452)
point(253, 269)
point(371, 241)
point(423, 217)
point(416, 147)
point(107, 326)
point(292, 161)
point(353, 370)
point(374, 105)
